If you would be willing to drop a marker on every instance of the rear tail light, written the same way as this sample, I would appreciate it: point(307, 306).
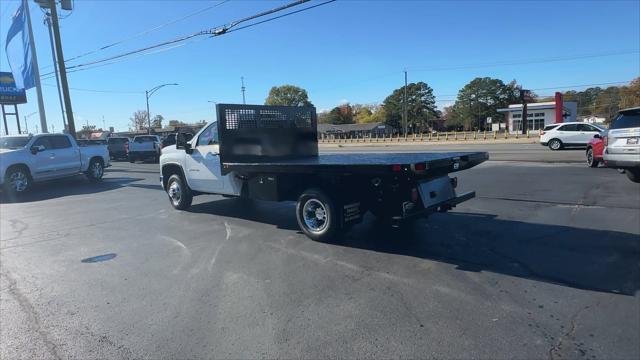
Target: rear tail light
point(414, 195)
point(420, 166)
point(542, 132)
point(396, 167)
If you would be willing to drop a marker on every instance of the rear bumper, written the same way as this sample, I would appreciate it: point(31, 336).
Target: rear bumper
point(143, 154)
point(621, 160)
point(440, 207)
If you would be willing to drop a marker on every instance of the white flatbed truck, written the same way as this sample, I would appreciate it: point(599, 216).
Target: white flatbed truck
point(271, 153)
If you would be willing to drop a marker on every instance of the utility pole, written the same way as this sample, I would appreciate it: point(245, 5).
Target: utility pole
point(405, 103)
point(47, 20)
point(148, 94)
point(36, 69)
point(26, 126)
point(242, 88)
point(63, 70)
point(104, 126)
point(525, 119)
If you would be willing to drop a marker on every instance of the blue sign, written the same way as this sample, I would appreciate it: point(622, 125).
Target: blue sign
point(9, 93)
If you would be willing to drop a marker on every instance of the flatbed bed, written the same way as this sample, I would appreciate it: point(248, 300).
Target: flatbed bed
point(363, 163)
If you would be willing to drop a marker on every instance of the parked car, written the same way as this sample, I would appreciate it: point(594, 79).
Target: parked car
point(558, 136)
point(118, 147)
point(595, 148)
point(25, 159)
point(622, 143)
point(144, 147)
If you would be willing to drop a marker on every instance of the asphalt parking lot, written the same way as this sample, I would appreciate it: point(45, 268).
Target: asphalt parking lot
point(544, 263)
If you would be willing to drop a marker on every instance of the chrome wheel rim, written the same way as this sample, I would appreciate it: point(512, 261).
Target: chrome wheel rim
point(589, 157)
point(555, 145)
point(96, 170)
point(315, 215)
point(175, 193)
point(19, 181)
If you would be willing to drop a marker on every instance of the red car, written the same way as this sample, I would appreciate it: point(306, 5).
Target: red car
point(595, 148)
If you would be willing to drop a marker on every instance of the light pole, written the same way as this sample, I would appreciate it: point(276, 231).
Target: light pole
point(215, 103)
point(148, 94)
point(26, 127)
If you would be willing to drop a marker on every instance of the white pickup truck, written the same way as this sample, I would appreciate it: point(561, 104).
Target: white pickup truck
point(144, 147)
point(25, 159)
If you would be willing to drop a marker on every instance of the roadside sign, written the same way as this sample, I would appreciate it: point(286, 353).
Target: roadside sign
point(488, 119)
point(9, 93)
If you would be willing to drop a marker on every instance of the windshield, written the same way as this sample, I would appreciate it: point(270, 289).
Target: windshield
point(118, 140)
point(13, 142)
point(141, 139)
point(625, 121)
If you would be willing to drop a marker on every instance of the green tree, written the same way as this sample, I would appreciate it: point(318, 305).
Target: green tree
point(421, 106)
point(363, 115)
point(156, 122)
point(630, 95)
point(479, 99)
point(288, 95)
point(342, 114)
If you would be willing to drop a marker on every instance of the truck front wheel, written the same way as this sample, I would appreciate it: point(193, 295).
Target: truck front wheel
point(317, 215)
point(179, 193)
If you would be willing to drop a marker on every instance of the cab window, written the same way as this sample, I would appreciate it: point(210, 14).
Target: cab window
point(60, 142)
point(44, 141)
point(569, 127)
point(209, 136)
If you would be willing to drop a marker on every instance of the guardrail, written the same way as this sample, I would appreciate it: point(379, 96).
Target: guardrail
point(435, 137)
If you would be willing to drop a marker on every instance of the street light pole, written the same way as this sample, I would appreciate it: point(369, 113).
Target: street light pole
point(148, 94)
point(405, 103)
point(26, 126)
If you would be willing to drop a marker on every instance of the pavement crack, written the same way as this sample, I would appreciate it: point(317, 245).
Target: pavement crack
point(34, 320)
point(569, 335)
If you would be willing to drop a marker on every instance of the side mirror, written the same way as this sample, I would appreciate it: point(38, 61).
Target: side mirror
point(181, 143)
point(37, 149)
point(597, 136)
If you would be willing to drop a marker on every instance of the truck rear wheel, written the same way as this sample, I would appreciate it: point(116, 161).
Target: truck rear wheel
point(317, 215)
point(179, 193)
point(95, 171)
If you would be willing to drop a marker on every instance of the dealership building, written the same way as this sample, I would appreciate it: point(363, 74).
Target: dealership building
point(540, 114)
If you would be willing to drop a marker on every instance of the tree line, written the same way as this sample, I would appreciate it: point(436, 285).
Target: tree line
point(475, 102)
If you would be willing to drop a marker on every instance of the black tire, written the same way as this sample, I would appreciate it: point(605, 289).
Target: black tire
point(95, 171)
point(633, 175)
point(591, 160)
point(17, 181)
point(179, 193)
point(555, 144)
point(315, 203)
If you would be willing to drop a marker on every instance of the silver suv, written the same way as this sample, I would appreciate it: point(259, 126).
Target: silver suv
point(622, 143)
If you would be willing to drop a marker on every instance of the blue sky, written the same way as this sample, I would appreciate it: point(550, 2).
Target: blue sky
point(351, 51)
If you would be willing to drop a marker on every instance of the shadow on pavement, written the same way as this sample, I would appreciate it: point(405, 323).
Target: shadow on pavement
point(597, 260)
point(77, 185)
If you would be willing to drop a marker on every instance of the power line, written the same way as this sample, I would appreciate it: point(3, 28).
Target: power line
point(523, 62)
point(217, 31)
point(145, 32)
point(100, 91)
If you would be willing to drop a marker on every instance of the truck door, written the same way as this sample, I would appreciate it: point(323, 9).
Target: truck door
point(45, 159)
point(203, 165)
point(67, 157)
